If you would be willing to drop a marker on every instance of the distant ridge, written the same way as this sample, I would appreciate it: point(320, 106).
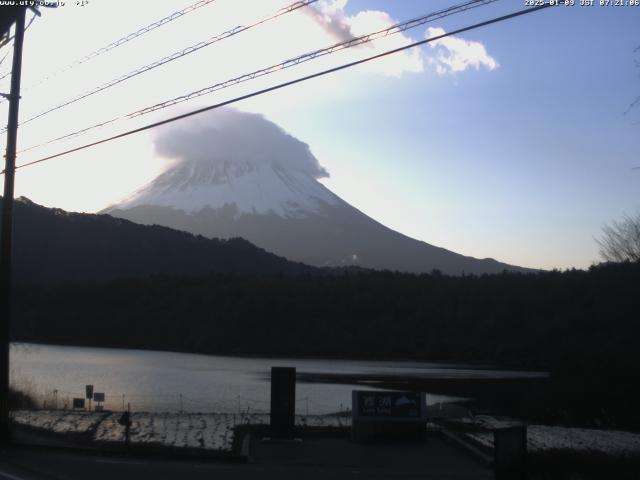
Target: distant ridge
point(52, 246)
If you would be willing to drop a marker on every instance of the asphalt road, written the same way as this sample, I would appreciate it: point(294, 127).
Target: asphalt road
point(321, 460)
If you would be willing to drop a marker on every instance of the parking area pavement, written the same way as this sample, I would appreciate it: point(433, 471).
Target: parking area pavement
point(313, 458)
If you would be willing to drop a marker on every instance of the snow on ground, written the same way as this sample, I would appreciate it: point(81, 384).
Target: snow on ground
point(488, 422)
point(210, 431)
point(322, 421)
point(544, 437)
point(59, 421)
point(214, 431)
point(194, 430)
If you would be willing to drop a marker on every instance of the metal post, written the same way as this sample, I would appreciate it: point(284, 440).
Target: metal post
point(127, 426)
point(7, 227)
point(283, 402)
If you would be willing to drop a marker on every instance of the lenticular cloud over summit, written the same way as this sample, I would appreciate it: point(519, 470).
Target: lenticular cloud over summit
point(238, 162)
point(228, 136)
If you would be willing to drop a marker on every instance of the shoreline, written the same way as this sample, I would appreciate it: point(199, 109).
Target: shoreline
point(441, 363)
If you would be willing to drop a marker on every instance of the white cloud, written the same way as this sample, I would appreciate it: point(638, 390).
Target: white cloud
point(332, 6)
point(331, 17)
point(270, 43)
point(374, 20)
point(231, 137)
point(455, 54)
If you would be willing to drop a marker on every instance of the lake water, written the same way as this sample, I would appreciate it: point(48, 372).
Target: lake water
point(167, 381)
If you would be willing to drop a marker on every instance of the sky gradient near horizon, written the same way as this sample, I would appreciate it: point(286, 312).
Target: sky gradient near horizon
point(512, 141)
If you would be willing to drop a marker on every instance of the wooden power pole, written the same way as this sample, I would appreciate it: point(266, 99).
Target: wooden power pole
point(7, 227)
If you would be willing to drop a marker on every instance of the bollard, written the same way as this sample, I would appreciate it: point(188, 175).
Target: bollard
point(510, 453)
point(283, 401)
point(125, 421)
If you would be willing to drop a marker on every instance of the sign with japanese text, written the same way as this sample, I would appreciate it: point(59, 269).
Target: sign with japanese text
point(388, 405)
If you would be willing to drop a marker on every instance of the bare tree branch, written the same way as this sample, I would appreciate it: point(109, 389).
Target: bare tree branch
point(636, 102)
point(620, 241)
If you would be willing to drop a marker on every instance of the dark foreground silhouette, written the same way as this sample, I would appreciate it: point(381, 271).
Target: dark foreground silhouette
point(55, 247)
point(580, 325)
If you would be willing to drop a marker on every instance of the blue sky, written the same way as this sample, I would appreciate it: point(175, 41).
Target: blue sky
point(524, 162)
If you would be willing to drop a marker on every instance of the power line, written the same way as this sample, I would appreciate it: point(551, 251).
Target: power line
point(4, 75)
point(276, 87)
point(4, 39)
point(397, 28)
point(36, 13)
point(289, 83)
point(400, 27)
point(125, 39)
point(10, 48)
point(175, 56)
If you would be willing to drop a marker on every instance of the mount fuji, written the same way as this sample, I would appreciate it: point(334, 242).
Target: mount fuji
point(236, 174)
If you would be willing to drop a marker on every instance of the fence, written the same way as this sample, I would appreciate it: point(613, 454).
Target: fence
point(54, 399)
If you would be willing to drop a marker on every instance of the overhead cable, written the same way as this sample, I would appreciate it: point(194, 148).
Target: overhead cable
point(173, 56)
point(289, 83)
point(400, 27)
point(397, 28)
point(125, 39)
point(10, 48)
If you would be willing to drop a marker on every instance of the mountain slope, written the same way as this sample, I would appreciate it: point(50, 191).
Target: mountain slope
point(238, 175)
point(54, 246)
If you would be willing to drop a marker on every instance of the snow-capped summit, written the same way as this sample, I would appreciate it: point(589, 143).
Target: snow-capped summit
point(238, 160)
point(236, 174)
point(247, 187)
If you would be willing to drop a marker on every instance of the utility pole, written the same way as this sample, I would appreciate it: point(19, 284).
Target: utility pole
point(7, 227)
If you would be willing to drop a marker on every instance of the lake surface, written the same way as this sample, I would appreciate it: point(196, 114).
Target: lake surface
point(166, 381)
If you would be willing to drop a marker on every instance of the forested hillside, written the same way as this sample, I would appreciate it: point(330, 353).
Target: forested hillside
point(581, 325)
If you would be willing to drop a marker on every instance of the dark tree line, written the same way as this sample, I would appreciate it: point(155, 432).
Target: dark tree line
point(581, 325)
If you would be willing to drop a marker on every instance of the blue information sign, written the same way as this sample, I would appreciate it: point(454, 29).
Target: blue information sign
point(388, 405)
